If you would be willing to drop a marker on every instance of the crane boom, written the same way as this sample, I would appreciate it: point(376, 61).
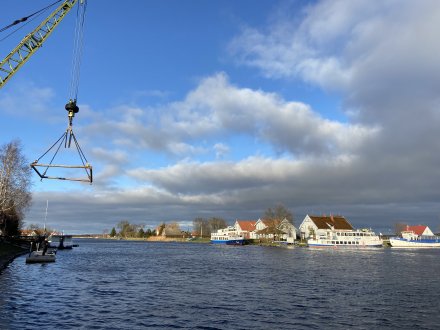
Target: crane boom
point(30, 44)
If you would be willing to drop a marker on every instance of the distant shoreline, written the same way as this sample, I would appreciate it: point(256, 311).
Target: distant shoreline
point(148, 239)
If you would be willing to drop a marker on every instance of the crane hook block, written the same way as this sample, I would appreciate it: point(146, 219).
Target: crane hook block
point(72, 107)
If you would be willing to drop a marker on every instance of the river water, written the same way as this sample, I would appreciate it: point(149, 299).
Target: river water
point(137, 285)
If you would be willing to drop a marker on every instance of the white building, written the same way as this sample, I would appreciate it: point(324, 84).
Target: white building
point(245, 228)
point(420, 230)
point(315, 226)
point(275, 229)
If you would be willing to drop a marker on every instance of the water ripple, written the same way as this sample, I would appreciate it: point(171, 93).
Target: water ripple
point(136, 285)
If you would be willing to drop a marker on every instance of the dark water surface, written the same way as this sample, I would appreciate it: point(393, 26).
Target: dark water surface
point(137, 285)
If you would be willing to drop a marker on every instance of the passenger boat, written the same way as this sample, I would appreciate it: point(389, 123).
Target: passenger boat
point(228, 240)
point(410, 240)
point(227, 236)
point(353, 239)
point(38, 257)
point(60, 241)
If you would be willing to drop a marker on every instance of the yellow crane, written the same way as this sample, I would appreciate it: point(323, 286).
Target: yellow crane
point(32, 42)
point(24, 50)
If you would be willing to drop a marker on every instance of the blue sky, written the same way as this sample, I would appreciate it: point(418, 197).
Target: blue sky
point(226, 108)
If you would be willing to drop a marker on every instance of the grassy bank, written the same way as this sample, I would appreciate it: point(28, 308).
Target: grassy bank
point(8, 252)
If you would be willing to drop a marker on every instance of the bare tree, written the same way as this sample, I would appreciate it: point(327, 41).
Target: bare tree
point(279, 213)
point(216, 224)
point(126, 229)
point(201, 227)
point(399, 227)
point(15, 183)
point(172, 230)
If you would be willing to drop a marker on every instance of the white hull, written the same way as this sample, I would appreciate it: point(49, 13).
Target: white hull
point(411, 244)
point(359, 239)
point(352, 245)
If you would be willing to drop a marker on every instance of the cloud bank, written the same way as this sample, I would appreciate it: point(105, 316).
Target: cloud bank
point(231, 151)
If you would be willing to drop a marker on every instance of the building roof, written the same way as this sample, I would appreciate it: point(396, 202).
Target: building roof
point(418, 230)
point(271, 222)
point(271, 230)
point(246, 225)
point(335, 221)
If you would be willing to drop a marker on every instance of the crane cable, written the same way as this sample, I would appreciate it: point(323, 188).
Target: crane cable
point(24, 19)
point(77, 50)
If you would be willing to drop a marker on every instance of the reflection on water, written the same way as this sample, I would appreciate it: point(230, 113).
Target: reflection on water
point(137, 285)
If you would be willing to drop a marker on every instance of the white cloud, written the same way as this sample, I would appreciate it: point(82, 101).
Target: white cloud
point(338, 43)
point(221, 150)
point(27, 100)
point(382, 57)
point(216, 108)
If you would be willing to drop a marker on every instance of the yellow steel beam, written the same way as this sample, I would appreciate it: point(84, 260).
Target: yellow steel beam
point(30, 44)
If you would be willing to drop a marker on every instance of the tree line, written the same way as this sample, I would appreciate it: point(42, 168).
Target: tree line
point(201, 227)
point(125, 229)
point(15, 184)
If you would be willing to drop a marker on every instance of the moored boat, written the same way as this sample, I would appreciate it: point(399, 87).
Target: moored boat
point(228, 240)
point(227, 236)
point(410, 240)
point(354, 239)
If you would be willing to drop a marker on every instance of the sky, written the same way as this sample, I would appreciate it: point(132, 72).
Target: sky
point(225, 108)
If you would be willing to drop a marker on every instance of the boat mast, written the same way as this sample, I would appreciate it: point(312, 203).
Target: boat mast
point(45, 217)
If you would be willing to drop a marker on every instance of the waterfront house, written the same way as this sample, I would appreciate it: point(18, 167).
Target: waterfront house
point(289, 230)
point(314, 226)
point(420, 230)
point(262, 224)
point(268, 228)
point(275, 229)
point(28, 232)
point(245, 228)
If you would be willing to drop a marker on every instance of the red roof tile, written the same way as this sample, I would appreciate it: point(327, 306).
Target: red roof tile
point(336, 221)
point(418, 230)
point(247, 225)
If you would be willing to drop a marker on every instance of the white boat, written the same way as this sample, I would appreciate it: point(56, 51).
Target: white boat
point(227, 236)
point(38, 257)
point(410, 240)
point(353, 239)
point(60, 241)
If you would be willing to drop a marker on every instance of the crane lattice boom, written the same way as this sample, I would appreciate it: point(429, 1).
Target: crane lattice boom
point(30, 44)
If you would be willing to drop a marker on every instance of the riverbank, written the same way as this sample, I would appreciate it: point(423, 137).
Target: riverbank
point(8, 252)
point(154, 239)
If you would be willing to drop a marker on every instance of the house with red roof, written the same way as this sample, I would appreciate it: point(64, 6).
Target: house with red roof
point(281, 230)
point(245, 228)
point(314, 226)
point(420, 230)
